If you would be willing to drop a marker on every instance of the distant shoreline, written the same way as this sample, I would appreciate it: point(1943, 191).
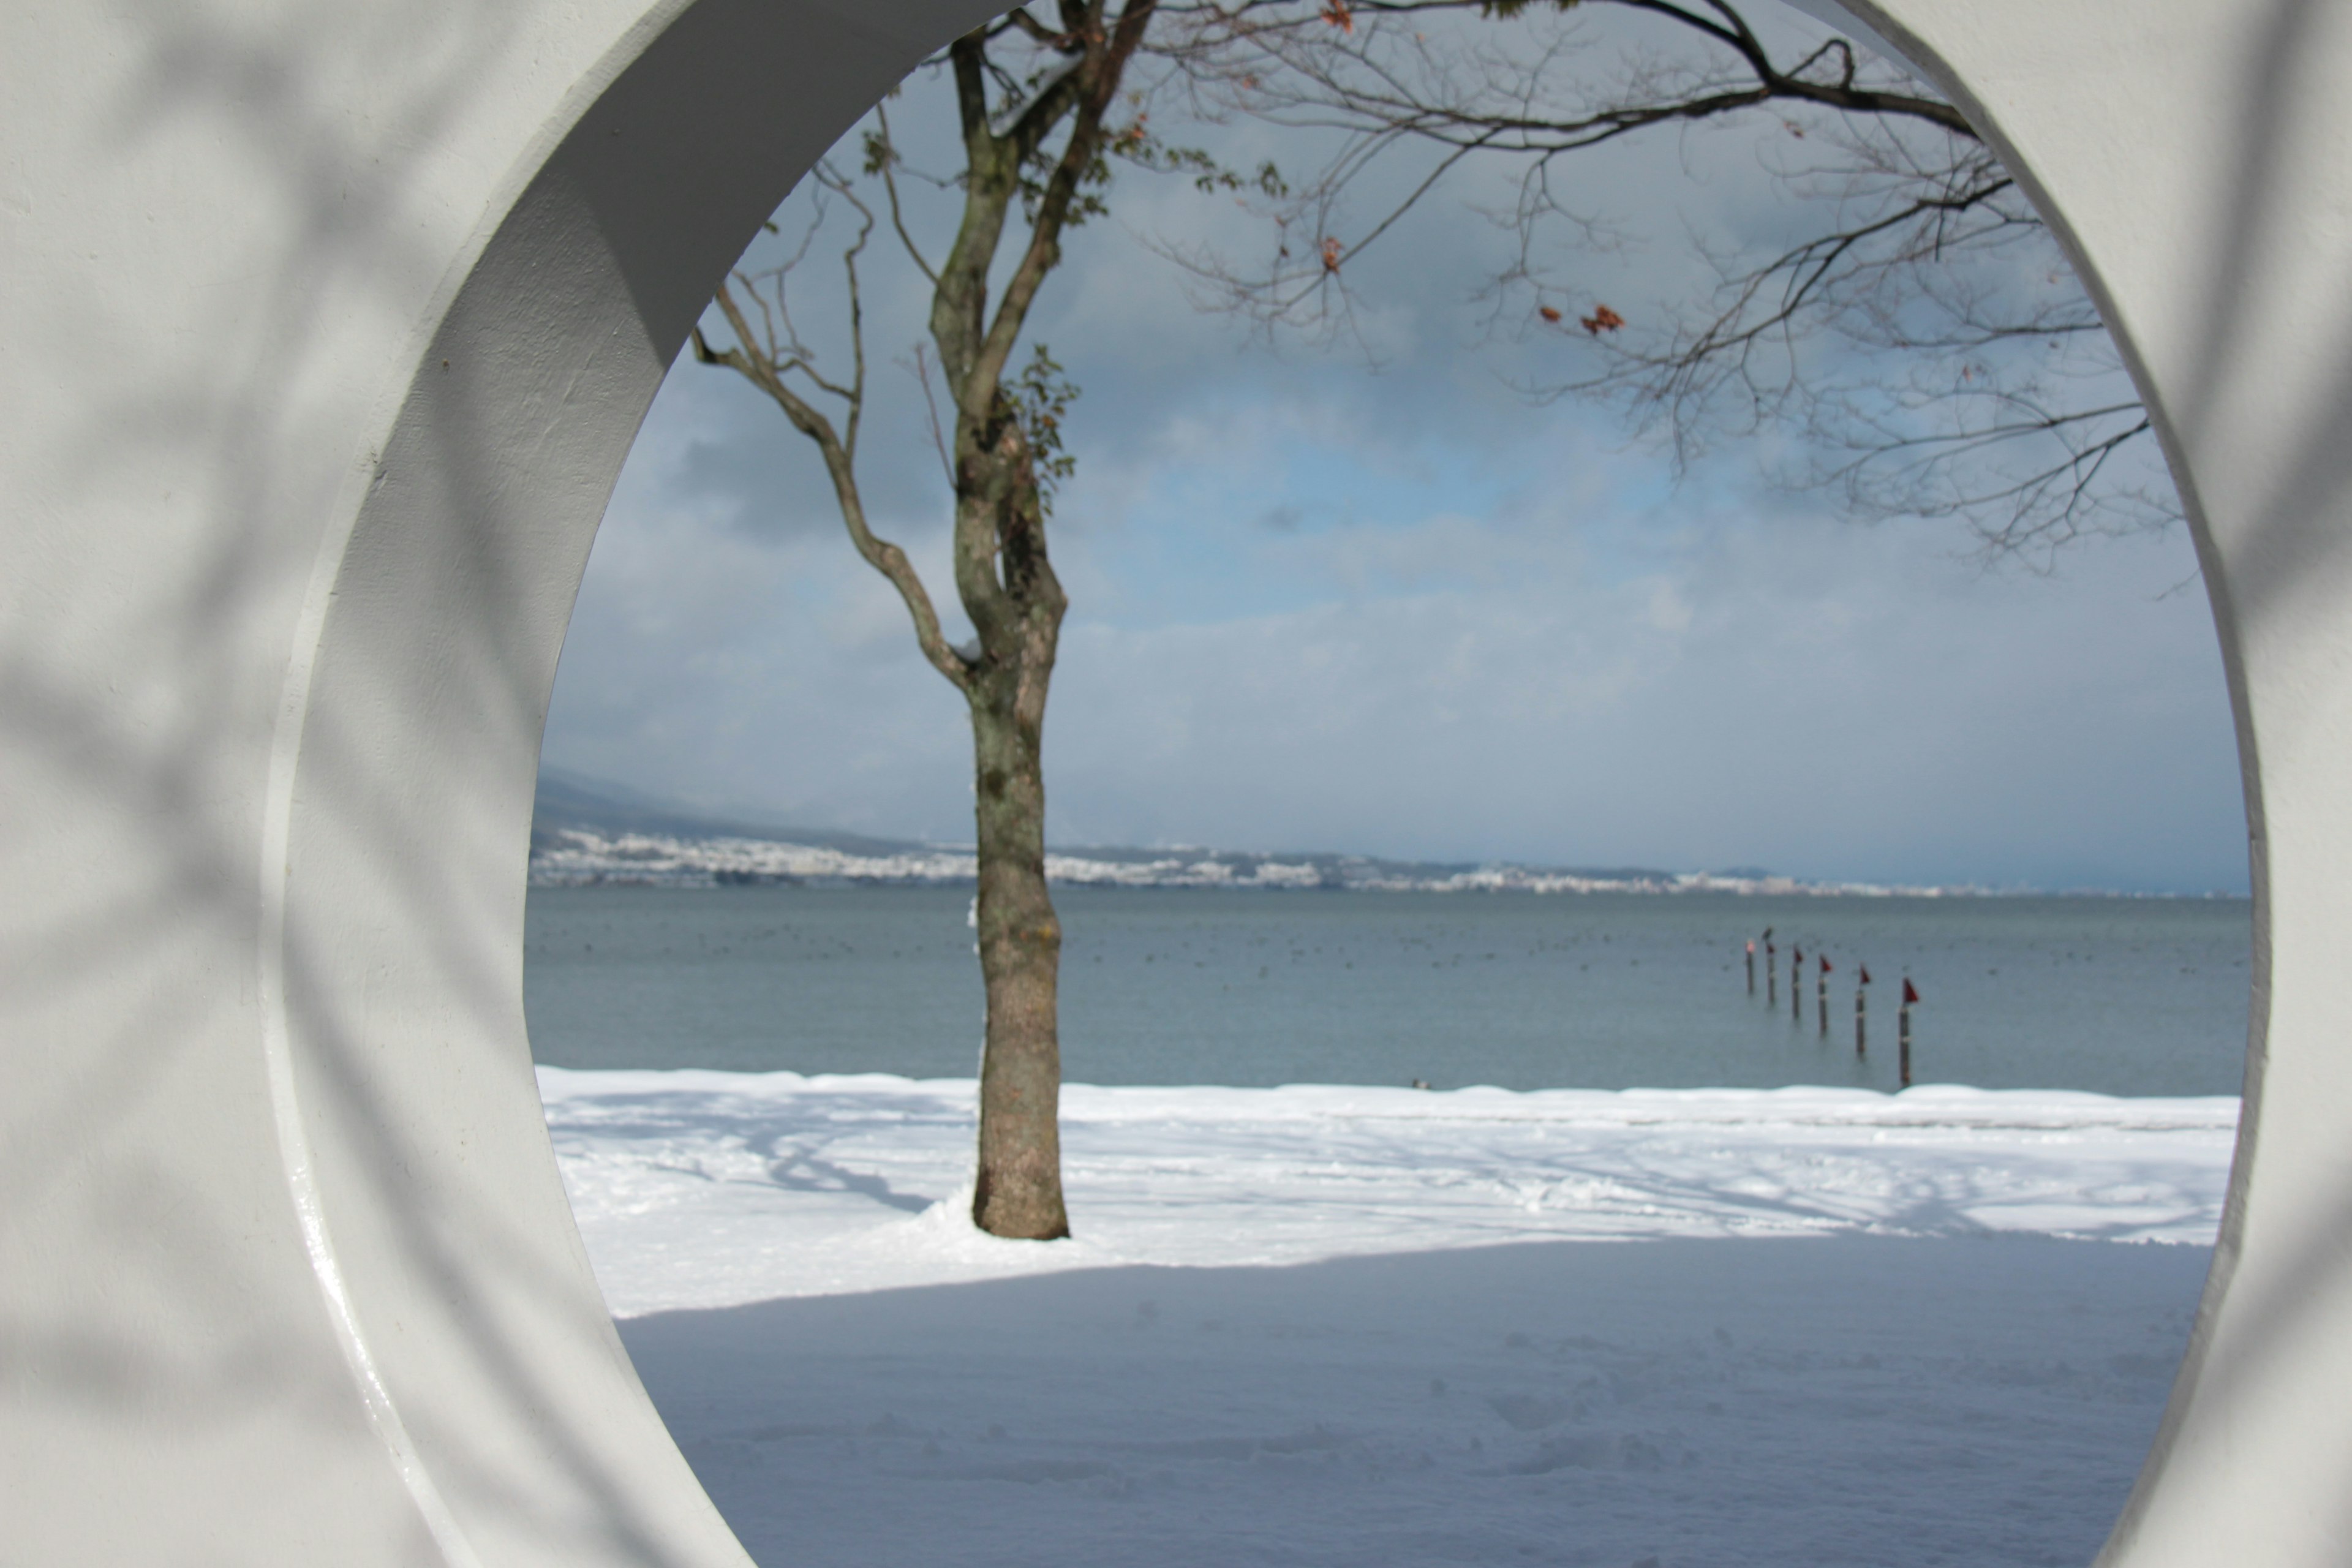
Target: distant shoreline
point(581, 856)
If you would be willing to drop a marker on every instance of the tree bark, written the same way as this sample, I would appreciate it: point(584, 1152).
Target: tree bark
point(1018, 1192)
point(1016, 603)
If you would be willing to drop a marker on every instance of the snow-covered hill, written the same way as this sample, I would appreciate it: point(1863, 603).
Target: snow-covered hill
point(586, 832)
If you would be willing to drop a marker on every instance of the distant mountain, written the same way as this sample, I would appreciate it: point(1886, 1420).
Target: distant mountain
point(589, 830)
point(575, 802)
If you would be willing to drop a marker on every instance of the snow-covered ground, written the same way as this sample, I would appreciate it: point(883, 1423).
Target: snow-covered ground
point(1325, 1325)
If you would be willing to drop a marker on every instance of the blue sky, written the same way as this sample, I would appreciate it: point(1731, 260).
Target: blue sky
point(1396, 608)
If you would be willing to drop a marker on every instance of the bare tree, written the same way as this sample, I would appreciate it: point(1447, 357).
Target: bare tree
point(1033, 137)
point(1034, 105)
point(1919, 328)
point(1919, 247)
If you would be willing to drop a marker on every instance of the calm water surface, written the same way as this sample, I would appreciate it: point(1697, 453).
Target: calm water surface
point(1183, 985)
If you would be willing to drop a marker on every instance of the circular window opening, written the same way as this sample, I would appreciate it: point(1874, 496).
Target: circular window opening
point(1506, 743)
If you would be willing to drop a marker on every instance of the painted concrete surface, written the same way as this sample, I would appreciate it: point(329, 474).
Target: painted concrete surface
point(326, 326)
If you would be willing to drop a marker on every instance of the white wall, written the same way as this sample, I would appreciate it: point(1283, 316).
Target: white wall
point(325, 326)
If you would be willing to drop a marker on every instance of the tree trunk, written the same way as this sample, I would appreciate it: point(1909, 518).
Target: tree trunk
point(1019, 1189)
point(1008, 451)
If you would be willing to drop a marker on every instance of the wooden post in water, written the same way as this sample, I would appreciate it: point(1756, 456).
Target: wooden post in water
point(1902, 1027)
point(1860, 1023)
point(1797, 984)
point(1771, 973)
point(1751, 969)
point(1822, 989)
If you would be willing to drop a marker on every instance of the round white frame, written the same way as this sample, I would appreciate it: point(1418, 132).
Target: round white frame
point(327, 324)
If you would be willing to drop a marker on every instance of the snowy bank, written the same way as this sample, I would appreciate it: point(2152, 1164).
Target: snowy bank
point(705, 1189)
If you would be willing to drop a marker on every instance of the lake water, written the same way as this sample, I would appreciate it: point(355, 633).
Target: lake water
point(1183, 985)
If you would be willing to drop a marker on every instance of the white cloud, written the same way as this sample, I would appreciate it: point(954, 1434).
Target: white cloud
point(1403, 613)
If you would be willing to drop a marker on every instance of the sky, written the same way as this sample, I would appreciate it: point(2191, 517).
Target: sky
point(1368, 596)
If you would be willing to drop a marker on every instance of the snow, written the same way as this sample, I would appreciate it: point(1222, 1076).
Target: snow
point(1338, 1325)
point(709, 1189)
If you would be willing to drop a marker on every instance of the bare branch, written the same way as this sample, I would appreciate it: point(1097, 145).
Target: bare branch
point(1926, 254)
point(888, 171)
point(885, 557)
point(920, 369)
point(1045, 249)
